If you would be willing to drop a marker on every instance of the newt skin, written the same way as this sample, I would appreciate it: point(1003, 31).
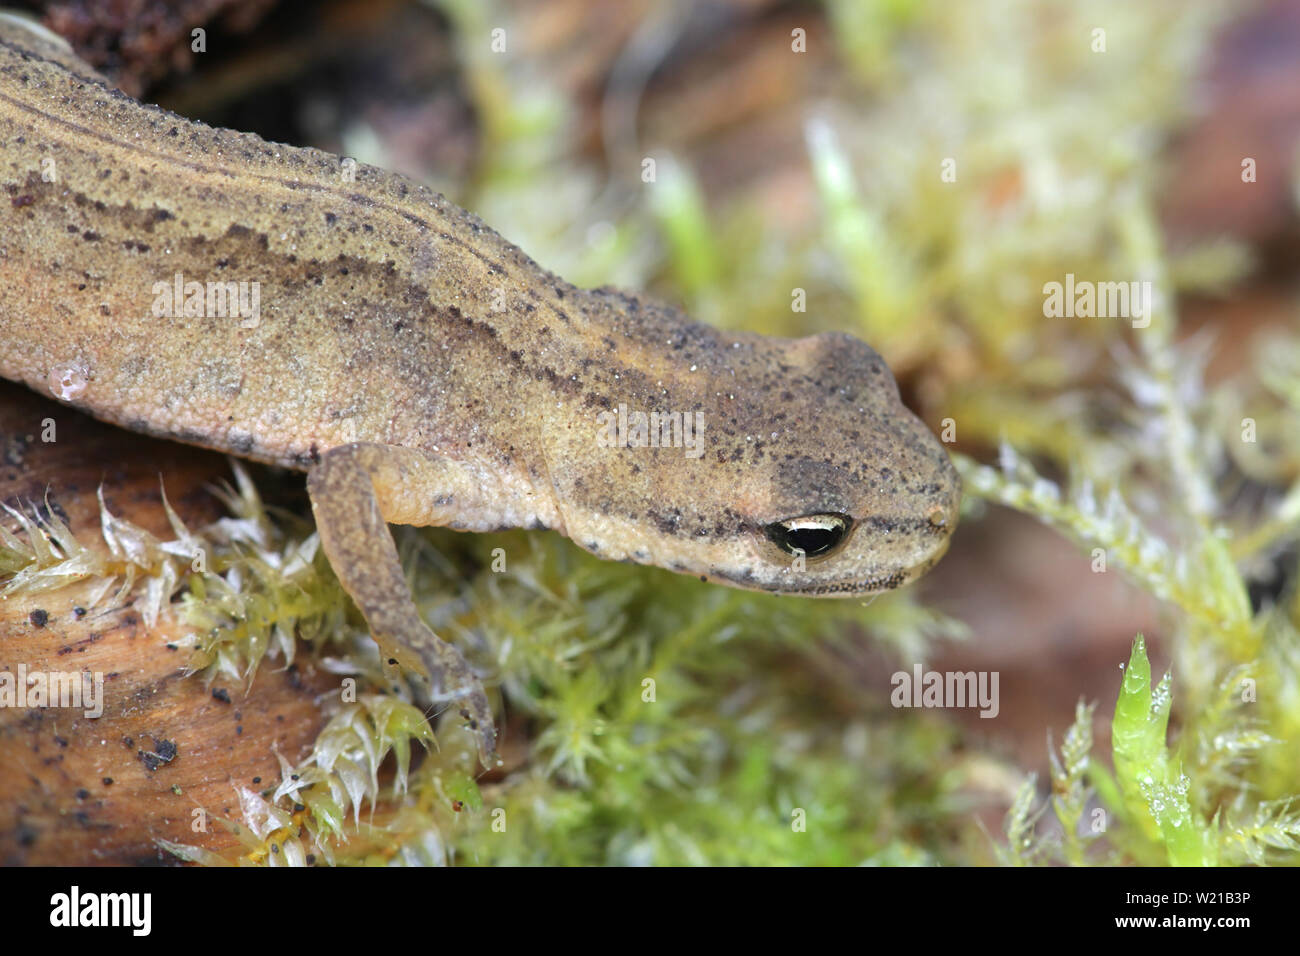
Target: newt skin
point(422, 369)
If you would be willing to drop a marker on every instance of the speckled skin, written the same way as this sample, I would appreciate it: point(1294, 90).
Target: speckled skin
point(393, 319)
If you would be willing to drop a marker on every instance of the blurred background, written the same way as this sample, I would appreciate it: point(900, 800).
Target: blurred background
point(920, 170)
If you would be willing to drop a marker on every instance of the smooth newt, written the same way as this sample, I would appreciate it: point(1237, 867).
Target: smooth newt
point(422, 370)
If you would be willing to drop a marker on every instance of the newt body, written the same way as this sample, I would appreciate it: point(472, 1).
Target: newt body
point(423, 370)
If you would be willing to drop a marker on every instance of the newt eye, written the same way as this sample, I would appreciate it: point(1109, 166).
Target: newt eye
point(814, 535)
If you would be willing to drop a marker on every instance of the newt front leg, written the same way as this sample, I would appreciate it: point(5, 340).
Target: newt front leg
point(355, 491)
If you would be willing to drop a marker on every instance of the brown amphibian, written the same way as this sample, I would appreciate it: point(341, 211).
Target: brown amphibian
point(293, 307)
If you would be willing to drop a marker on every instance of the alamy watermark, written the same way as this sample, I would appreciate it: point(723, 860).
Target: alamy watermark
point(1102, 300)
point(946, 689)
point(77, 690)
point(624, 429)
point(216, 300)
point(75, 908)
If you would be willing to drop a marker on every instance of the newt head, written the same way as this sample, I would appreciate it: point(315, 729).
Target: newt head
point(801, 472)
point(839, 536)
point(860, 497)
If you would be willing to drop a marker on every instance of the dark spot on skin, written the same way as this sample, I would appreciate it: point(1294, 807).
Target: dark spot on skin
point(666, 523)
point(221, 694)
point(39, 617)
point(83, 793)
point(18, 202)
point(107, 781)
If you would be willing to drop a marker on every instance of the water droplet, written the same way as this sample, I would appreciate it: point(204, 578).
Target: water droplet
point(69, 380)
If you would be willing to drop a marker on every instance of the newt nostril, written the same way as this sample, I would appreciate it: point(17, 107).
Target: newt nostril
point(938, 518)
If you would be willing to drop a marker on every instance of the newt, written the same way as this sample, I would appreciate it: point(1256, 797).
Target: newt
point(300, 309)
